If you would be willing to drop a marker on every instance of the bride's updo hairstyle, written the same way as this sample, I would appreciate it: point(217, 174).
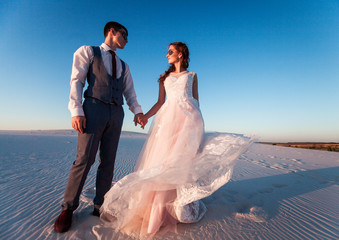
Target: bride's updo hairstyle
point(183, 49)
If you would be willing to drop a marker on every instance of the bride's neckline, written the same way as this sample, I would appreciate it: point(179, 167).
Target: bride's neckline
point(176, 75)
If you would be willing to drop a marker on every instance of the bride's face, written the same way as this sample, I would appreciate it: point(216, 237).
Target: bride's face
point(173, 55)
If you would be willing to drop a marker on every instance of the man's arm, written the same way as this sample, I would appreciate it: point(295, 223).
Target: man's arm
point(131, 98)
point(81, 60)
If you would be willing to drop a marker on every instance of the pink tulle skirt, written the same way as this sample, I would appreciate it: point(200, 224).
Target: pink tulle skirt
point(178, 166)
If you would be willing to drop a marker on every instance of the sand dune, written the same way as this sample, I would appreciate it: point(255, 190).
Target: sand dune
point(275, 192)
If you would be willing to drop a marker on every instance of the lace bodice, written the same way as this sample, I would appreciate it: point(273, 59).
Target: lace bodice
point(179, 88)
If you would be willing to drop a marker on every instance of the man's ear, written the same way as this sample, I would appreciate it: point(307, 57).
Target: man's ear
point(113, 31)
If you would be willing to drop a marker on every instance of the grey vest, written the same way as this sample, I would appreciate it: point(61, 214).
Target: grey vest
point(101, 85)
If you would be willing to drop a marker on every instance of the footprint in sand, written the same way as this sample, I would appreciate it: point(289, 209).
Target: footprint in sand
point(242, 206)
point(298, 161)
point(255, 214)
point(266, 190)
point(230, 198)
point(278, 185)
point(259, 202)
point(320, 178)
point(231, 192)
point(250, 195)
point(282, 166)
point(88, 195)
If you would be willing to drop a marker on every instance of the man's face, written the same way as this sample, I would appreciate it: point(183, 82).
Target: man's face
point(119, 38)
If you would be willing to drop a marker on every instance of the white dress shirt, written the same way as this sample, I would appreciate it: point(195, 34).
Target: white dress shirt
point(82, 59)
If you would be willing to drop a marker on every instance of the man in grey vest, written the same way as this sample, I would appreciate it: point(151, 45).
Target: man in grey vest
point(99, 118)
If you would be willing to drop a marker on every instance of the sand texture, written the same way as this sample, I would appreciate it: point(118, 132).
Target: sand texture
point(275, 192)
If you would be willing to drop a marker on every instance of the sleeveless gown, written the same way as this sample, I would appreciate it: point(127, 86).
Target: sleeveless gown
point(178, 165)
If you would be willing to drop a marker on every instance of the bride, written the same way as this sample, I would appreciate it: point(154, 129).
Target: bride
point(178, 165)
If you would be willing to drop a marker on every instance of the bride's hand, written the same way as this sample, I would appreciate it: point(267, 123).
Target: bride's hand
point(142, 120)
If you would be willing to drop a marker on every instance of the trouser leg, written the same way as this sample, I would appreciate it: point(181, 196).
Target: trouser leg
point(96, 117)
point(107, 153)
point(87, 149)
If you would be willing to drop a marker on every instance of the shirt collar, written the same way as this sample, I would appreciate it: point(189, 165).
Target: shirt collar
point(107, 48)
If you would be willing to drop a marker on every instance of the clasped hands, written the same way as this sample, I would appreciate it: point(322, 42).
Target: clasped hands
point(140, 119)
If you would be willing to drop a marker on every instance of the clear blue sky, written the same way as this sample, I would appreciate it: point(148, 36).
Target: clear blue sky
point(268, 68)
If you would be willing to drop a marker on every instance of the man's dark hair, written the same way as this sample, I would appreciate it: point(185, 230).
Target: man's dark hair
point(115, 25)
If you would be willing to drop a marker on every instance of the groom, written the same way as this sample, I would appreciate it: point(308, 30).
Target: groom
point(99, 118)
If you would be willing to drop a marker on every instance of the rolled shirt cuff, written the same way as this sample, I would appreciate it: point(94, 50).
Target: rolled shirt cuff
point(77, 112)
point(136, 110)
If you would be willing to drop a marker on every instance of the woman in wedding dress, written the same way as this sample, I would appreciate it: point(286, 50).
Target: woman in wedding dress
point(179, 164)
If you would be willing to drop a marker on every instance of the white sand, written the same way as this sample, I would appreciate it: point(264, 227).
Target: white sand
point(275, 192)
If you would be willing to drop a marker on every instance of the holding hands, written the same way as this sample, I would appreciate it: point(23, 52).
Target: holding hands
point(140, 119)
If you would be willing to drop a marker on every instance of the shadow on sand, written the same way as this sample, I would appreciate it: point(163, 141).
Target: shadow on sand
point(268, 192)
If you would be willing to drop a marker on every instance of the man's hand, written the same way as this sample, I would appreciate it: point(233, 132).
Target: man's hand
point(140, 118)
point(79, 123)
point(143, 121)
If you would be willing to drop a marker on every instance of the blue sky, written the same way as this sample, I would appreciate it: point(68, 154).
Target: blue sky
point(265, 68)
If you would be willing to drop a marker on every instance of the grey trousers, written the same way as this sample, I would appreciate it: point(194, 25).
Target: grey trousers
point(103, 128)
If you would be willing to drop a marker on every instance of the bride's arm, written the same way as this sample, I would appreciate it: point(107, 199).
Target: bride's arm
point(159, 103)
point(195, 87)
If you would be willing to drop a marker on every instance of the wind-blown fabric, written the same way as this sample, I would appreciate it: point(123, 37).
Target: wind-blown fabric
point(178, 166)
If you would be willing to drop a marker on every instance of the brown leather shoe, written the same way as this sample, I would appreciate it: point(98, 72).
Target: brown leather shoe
point(64, 221)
